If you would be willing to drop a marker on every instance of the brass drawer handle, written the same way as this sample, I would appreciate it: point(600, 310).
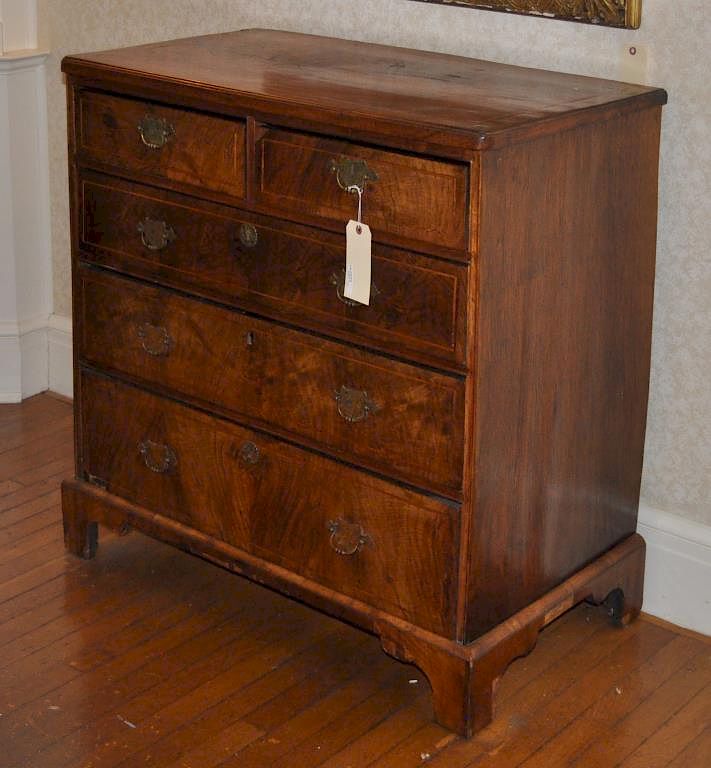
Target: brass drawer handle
point(351, 173)
point(155, 339)
point(158, 457)
point(355, 404)
point(346, 538)
point(339, 280)
point(249, 453)
point(155, 235)
point(155, 132)
point(248, 235)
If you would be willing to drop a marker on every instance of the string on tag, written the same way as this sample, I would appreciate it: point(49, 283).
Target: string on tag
point(356, 286)
point(355, 188)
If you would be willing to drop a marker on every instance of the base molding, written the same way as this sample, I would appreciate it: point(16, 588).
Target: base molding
point(678, 577)
point(23, 360)
point(10, 367)
point(463, 677)
point(35, 356)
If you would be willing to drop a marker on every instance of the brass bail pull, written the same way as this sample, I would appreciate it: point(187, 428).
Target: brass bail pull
point(347, 538)
point(155, 132)
point(355, 405)
point(158, 457)
point(155, 235)
point(352, 173)
point(338, 279)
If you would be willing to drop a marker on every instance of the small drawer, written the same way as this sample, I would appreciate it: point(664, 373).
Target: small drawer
point(412, 198)
point(367, 538)
point(418, 305)
point(393, 417)
point(150, 140)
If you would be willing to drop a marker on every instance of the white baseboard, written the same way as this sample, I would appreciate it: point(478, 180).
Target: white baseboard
point(10, 367)
point(59, 333)
point(23, 360)
point(33, 350)
point(677, 582)
point(34, 357)
point(25, 231)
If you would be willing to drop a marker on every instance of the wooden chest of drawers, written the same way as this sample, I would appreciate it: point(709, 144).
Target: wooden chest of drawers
point(451, 466)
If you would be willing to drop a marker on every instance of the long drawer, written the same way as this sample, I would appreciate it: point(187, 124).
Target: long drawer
point(393, 417)
point(144, 139)
point(410, 197)
point(367, 538)
point(289, 272)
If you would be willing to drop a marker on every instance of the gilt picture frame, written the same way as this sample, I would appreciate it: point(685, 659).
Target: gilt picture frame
point(609, 13)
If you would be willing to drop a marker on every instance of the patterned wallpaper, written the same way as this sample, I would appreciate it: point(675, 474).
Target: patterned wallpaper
point(677, 472)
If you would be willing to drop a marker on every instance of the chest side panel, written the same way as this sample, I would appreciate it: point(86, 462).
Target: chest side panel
point(565, 284)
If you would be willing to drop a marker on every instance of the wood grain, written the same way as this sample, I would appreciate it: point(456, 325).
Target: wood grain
point(415, 198)
point(309, 80)
point(279, 379)
point(562, 354)
point(417, 305)
point(280, 507)
point(203, 151)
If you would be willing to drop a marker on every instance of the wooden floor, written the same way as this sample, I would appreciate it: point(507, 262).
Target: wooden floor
point(150, 657)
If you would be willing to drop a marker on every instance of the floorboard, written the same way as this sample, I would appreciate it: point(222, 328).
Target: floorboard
point(149, 657)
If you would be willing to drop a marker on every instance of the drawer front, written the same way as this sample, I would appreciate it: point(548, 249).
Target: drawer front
point(362, 536)
point(410, 197)
point(283, 270)
point(182, 146)
point(389, 416)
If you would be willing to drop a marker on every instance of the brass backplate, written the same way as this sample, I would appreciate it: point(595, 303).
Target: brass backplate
point(352, 173)
point(609, 13)
point(155, 132)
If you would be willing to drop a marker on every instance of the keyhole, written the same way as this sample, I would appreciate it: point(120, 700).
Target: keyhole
point(250, 338)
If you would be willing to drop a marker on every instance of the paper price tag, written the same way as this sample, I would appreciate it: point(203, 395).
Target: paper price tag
point(357, 284)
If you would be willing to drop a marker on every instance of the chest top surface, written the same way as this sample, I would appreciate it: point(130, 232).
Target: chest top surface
point(470, 102)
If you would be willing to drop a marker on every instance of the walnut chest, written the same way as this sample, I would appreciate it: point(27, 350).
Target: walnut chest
point(451, 466)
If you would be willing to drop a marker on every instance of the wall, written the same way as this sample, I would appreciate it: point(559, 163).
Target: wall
point(677, 472)
point(25, 258)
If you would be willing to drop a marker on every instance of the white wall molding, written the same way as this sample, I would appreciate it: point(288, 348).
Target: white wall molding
point(35, 356)
point(10, 369)
point(23, 359)
point(61, 324)
point(21, 61)
point(26, 326)
point(677, 583)
point(18, 25)
point(60, 355)
point(25, 236)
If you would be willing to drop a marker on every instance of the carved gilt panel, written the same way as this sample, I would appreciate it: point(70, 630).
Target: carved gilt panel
point(611, 13)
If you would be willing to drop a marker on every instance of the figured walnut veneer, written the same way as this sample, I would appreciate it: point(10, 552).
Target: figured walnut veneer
point(451, 467)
